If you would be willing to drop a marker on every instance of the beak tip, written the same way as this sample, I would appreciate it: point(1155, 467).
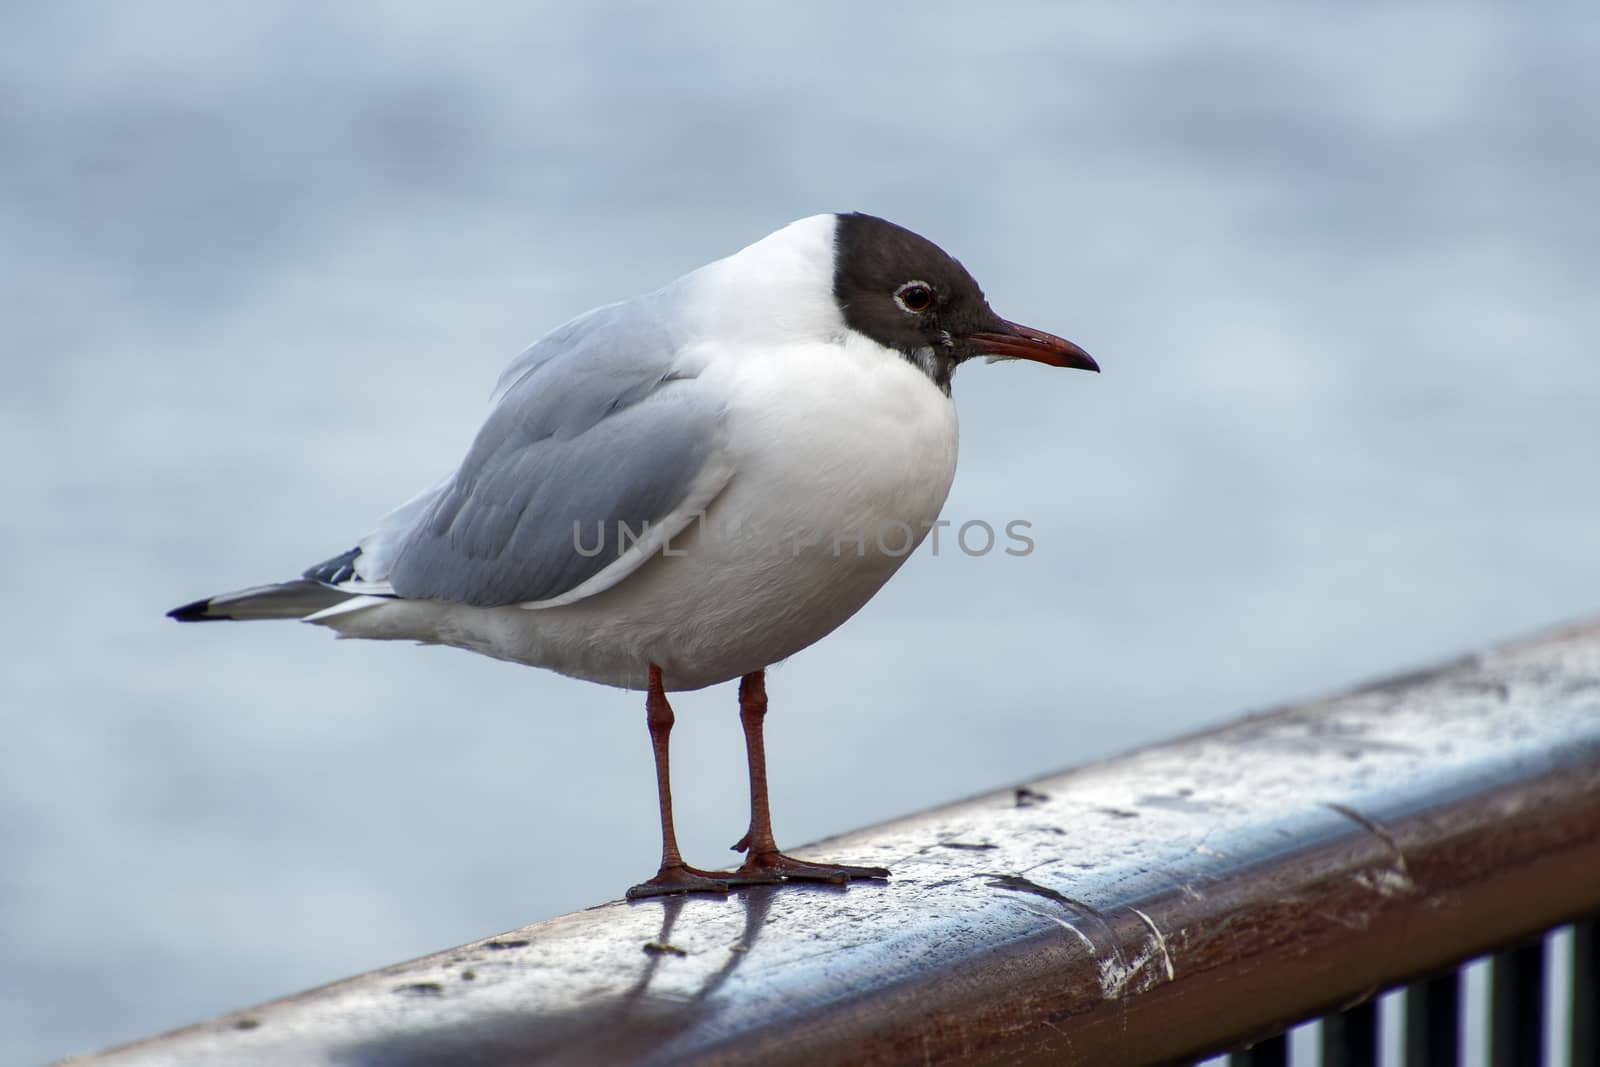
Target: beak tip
point(1076, 358)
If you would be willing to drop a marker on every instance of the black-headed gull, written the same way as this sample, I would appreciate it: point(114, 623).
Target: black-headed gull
point(688, 487)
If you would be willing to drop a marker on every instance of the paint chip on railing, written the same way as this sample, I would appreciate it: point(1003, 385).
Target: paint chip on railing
point(1385, 882)
point(1161, 942)
point(1118, 974)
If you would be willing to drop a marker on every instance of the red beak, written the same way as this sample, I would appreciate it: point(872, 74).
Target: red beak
point(1024, 342)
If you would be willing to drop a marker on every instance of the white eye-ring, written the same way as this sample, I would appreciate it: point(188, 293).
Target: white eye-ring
point(914, 297)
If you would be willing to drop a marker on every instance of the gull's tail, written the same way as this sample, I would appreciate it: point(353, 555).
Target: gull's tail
point(332, 587)
point(285, 600)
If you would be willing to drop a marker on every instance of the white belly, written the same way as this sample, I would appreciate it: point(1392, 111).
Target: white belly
point(843, 458)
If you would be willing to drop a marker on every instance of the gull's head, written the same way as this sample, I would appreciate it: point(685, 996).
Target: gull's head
point(833, 275)
point(906, 293)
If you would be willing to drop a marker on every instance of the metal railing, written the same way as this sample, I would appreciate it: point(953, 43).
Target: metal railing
point(1434, 1016)
point(1178, 902)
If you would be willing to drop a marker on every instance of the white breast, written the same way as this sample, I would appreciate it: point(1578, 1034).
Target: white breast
point(845, 455)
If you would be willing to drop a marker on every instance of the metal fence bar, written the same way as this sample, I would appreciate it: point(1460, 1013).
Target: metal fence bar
point(1433, 1020)
point(1516, 1006)
point(1585, 1040)
point(1350, 1038)
point(1174, 903)
point(1270, 1052)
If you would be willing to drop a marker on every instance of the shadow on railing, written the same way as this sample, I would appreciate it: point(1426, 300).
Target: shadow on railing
point(1175, 903)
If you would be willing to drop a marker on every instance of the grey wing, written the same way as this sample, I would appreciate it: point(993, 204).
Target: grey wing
point(597, 427)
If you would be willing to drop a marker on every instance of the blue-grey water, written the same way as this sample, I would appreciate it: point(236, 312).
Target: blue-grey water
point(262, 263)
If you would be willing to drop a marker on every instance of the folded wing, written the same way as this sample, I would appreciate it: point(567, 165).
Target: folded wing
point(602, 445)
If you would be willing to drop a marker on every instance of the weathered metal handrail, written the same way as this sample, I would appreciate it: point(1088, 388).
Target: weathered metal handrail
point(1180, 900)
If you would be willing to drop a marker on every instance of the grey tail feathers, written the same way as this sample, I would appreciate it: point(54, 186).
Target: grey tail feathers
point(286, 600)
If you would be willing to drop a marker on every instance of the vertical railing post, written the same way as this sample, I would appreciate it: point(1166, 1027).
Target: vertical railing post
point(1586, 993)
point(1350, 1039)
point(1270, 1052)
point(1516, 1006)
point(1433, 1014)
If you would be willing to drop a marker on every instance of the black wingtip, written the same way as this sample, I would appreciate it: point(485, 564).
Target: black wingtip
point(199, 611)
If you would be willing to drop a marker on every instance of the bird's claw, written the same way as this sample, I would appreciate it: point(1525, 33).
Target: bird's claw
point(775, 866)
point(681, 878)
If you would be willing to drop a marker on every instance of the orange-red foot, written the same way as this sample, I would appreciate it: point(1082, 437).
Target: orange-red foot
point(774, 866)
point(683, 878)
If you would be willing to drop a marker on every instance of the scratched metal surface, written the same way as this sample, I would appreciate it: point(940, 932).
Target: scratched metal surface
point(1182, 896)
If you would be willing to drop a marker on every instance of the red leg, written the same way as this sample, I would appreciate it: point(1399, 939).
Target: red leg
point(764, 860)
point(675, 876)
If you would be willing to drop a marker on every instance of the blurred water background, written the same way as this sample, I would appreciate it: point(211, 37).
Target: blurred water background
point(262, 264)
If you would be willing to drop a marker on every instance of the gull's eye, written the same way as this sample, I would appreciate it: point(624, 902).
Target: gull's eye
point(915, 297)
